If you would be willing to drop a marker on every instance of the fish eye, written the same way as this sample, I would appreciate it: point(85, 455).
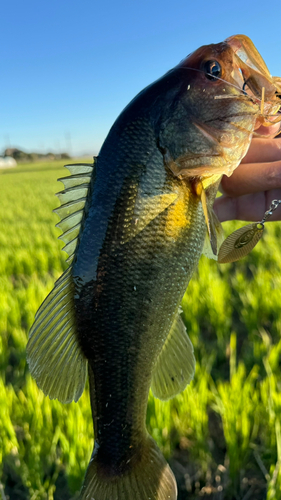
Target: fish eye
point(212, 70)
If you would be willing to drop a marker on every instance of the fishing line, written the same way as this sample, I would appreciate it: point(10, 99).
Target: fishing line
point(240, 243)
point(247, 97)
point(218, 78)
point(241, 97)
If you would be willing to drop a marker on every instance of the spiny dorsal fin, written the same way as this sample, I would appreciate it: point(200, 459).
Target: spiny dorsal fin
point(73, 199)
point(53, 353)
point(175, 365)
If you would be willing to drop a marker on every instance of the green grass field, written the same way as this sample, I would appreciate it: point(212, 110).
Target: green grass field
point(222, 435)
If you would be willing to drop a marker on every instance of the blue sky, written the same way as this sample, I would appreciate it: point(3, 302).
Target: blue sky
point(68, 68)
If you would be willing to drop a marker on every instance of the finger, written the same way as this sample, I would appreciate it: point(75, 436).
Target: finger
point(262, 150)
point(248, 208)
point(270, 130)
point(252, 178)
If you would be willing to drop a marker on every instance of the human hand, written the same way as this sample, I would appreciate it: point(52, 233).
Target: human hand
point(248, 193)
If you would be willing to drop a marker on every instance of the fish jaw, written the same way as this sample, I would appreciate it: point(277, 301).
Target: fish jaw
point(223, 112)
point(244, 48)
point(213, 120)
point(256, 75)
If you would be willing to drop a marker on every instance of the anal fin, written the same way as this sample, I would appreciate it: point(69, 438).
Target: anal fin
point(175, 365)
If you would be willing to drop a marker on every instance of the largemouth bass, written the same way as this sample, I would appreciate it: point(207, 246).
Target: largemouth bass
point(134, 225)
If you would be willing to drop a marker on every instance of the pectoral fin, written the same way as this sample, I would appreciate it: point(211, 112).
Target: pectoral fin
point(146, 209)
point(175, 365)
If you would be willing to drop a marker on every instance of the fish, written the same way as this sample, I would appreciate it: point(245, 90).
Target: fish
point(135, 223)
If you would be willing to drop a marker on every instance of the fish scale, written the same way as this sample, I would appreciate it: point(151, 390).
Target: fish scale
point(134, 308)
point(134, 225)
point(122, 367)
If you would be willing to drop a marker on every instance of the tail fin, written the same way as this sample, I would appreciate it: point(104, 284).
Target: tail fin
point(150, 478)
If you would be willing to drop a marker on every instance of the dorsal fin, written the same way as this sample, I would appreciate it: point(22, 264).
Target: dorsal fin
point(53, 353)
point(73, 199)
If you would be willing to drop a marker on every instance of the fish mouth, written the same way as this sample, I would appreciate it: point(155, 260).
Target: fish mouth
point(252, 75)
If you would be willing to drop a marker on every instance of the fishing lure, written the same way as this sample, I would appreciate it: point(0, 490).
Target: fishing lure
point(241, 242)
